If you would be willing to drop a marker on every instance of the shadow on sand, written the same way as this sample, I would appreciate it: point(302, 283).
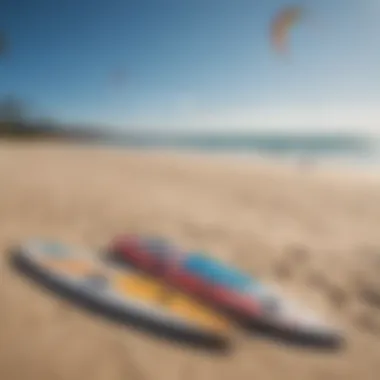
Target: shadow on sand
point(320, 342)
point(167, 332)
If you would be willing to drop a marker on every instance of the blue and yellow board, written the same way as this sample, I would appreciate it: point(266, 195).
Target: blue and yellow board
point(126, 291)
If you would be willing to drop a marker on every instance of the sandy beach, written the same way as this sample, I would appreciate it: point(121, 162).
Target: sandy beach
point(315, 233)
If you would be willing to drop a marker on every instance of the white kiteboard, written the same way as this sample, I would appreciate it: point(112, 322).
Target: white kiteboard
point(123, 293)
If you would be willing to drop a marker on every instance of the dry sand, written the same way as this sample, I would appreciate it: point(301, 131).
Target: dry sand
point(315, 232)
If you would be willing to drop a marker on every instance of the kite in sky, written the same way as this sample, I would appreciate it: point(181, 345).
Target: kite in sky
point(282, 25)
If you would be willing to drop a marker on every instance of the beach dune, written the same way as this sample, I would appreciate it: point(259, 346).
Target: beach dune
point(313, 232)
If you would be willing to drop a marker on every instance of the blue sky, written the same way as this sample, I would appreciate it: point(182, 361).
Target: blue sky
point(201, 65)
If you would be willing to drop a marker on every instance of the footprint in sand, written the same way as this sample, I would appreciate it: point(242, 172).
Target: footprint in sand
point(366, 286)
point(316, 280)
point(298, 255)
point(366, 322)
point(370, 296)
point(295, 257)
point(283, 271)
point(338, 296)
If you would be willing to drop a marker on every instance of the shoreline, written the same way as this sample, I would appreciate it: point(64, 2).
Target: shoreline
point(324, 165)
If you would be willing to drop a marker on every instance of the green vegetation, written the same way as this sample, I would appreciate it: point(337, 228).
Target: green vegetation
point(17, 122)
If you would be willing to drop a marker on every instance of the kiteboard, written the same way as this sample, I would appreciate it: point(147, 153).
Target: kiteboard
point(240, 295)
point(124, 294)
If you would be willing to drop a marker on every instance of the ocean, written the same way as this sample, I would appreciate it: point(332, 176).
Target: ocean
point(340, 148)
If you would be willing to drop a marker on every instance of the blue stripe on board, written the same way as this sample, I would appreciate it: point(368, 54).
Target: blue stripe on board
point(216, 272)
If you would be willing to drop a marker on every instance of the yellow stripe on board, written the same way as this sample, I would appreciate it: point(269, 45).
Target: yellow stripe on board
point(138, 286)
point(187, 308)
point(156, 293)
point(143, 288)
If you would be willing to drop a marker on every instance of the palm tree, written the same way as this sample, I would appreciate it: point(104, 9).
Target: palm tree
point(13, 110)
